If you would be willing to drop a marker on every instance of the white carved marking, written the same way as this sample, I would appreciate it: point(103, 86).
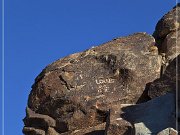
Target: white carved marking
point(103, 88)
point(119, 119)
point(81, 76)
point(103, 81)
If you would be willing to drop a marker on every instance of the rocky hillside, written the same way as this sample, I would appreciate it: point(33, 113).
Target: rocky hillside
point(126, 86)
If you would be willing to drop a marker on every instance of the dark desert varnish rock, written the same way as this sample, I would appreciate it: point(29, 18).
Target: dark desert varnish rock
point(85, 93)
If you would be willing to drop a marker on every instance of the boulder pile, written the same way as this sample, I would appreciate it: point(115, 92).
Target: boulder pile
point(127, 86)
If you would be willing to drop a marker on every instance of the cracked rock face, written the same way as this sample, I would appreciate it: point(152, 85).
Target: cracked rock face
point(167, 33)
point(167, 82)
point(77, 91)
point(168, 23)
point(85, 93)
point(171, 44)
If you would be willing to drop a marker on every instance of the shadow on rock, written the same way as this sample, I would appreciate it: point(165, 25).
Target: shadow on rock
point(153, 116)
point(97, 132)
point(144, 97)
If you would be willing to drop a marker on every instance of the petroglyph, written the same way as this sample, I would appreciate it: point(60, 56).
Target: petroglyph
point(103, 88)
point(104, 81)
point(103, 84)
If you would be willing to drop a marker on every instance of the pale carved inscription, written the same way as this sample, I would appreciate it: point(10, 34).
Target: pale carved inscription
point(103, 84)
point(104, 80)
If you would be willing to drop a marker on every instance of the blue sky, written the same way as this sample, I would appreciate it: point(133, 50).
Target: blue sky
point(38, 32)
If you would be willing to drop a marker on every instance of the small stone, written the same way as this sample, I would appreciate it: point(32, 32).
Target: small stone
point(168, 131)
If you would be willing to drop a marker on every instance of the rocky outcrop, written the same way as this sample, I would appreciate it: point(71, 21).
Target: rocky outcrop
point(38, 120)
point(78, 91)
point(168, 23)
point(167, 34)
point(110, 89)
point(167, 82)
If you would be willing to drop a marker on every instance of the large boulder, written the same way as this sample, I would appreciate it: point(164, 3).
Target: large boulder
point(167, 34)
point(168, 23)
point(95, 130)
point(77, 91)
point(33, 119)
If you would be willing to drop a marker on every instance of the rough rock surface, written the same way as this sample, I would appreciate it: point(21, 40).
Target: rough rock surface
point(120, 127)
point(168, 131)
point(123, 87)
point(168, 23)
point(115, 125)
point(167, 33)
point(171, 44)
point(167, 82)
point(33, 131)
point(33, 119)
point(95, 130)
point(153, 116)
point(77, 91)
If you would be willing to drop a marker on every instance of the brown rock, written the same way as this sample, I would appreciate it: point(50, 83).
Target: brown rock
point(77, 91)
point(168, 23)
point(38, 120)
point(51, 131)
point(120, 127)
point(116, 125)
point(96, 92)
point(167, 36)
point(168, 81)
point(171, 45)
point(95, 130)
point(33, 131)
